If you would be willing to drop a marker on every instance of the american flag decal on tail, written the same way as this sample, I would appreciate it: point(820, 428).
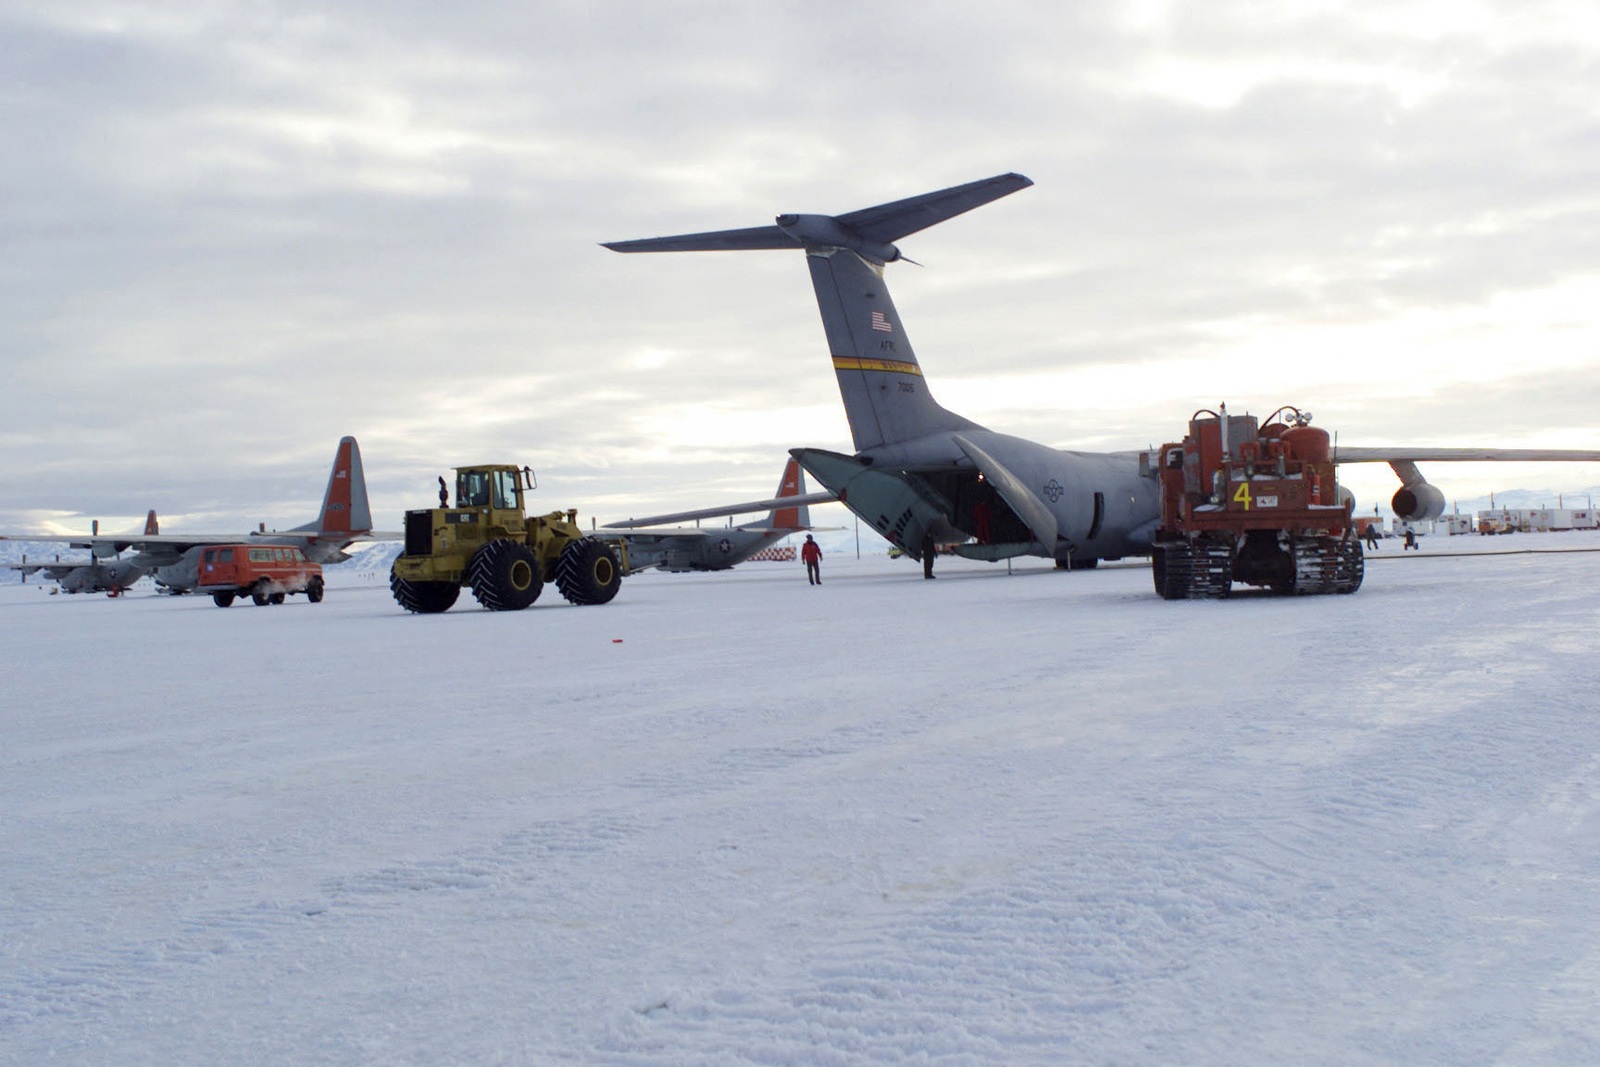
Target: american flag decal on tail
point(879, 322)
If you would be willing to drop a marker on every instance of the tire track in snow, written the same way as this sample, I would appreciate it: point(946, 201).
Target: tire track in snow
point(88, 982)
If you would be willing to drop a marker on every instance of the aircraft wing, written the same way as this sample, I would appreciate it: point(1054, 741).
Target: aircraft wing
point(56, 569)
point(727, 509)
point(317, 535)
point(182, 542)
point(1342, 454)
point(174, 542)
point(661, 533)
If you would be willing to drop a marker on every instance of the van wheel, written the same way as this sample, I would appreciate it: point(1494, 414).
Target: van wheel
point(587, 572)
point(505, 576)
point(222, 600)
point(276, 598)
point(423, 598)
point(314, 590)
point(259, 595)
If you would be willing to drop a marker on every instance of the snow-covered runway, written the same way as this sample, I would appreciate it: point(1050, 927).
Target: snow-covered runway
point(1031, 818)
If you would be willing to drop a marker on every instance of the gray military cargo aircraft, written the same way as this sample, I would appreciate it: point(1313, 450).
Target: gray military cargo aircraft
point(696, 548)
point(922, 472)
point(115, 576)
point(173, 559)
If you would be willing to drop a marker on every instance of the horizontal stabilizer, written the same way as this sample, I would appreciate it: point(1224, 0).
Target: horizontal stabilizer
point(892, 221)
point(871, 230)
point(756, 237)
point(1465, 455)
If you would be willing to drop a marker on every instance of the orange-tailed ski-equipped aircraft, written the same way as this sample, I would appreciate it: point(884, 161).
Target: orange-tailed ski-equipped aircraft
point(105, 571)
point(700, 548)
point(173, 559)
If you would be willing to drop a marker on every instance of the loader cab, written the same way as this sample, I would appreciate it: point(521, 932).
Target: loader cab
point(498, 488)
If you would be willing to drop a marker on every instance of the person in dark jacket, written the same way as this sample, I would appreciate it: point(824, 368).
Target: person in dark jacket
point(811, 553)
point(929, 549)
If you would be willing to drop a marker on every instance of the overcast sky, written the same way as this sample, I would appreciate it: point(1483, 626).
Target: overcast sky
point(233, 232)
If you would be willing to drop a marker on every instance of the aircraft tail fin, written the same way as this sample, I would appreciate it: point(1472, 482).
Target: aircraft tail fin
point(152, 525)
point(793, 483)
point(885, 397)
point(344, 503)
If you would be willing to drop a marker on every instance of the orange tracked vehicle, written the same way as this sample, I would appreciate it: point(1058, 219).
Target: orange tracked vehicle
point(1256, 504)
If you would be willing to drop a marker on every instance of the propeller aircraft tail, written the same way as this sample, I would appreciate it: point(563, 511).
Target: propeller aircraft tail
point(344, 503)
point(792, 484)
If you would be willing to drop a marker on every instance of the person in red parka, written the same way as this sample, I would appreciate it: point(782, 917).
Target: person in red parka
point(811, 552)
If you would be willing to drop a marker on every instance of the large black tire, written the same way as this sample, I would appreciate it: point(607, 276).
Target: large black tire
point(222, 600)
point(504, 576)
point(314, 590)
point(424, 598)
point(261, 595)
point(1158, 571)
point(277, 598)
point(587, 572)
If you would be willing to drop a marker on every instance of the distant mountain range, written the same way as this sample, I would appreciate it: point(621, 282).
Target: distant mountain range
point(1524, 498)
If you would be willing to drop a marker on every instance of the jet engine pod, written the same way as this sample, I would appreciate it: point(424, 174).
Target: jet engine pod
point(1418, 503)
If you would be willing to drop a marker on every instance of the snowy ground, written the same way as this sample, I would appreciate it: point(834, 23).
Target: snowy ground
point(1031, 818)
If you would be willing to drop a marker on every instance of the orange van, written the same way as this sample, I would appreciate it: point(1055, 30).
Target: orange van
point(267, 572)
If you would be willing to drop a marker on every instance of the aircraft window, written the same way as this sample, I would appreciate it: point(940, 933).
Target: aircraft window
point(505, 489)
point(472, 490)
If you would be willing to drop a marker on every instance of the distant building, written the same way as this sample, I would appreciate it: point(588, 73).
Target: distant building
point(1543, 519)
point(1454, 525)
point(1537, 520)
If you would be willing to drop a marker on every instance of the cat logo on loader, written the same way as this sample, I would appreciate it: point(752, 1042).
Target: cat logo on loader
point(488, 542)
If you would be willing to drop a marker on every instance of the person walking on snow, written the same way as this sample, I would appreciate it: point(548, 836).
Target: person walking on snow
point(811, 552)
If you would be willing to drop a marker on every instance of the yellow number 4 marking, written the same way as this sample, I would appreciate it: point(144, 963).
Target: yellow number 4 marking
point(1241, 495)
